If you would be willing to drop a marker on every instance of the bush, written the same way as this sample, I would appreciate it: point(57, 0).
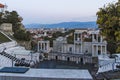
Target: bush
point(22, 35)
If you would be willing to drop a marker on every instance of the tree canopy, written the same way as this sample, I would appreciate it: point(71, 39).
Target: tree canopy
point(108, 20)
point(18, 28)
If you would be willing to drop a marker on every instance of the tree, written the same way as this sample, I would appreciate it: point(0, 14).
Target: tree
point(22, 35)
point(18, 28)
point(108, 20)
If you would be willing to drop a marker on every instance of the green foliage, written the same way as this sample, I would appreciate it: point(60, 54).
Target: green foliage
point(118, 49)
point(18, 28)
point(108, 20)
point(50, 39)
point(10, 17)
point(118, 36)
point(87, 39)
point(22, 35)
point(111, 47)
point(58, 33)
point(118, 40)
point(33, 45)
point(3, 38)
point(70, 39)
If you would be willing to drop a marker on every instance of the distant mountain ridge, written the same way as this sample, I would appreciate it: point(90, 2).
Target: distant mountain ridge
point(64, 25)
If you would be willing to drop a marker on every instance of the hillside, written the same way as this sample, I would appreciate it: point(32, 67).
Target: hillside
point(64, 25)
point(3, 38)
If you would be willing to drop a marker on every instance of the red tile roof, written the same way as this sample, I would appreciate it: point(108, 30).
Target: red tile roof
point(1, 5)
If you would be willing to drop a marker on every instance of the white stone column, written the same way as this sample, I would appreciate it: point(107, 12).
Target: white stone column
point(41, 46)
point(38, 47)
point(44, 46)
point(97, 37)
point(74, 48)
point(71, 59)
point(48, 46)
point(63, 57)
point(81, 37)
point(78, 37)
point(96, 50)
point(78, 48)
point(60, 58)
point(105, 49)
point(62, 47)
point(92, 50)
point(92, 37)
point(101, 39)
point(79, 59)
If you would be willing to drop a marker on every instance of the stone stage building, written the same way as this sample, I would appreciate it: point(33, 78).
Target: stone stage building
point(86, 47)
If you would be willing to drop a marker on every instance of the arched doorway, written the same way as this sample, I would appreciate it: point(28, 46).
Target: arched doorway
point(81, 60)
point(56, 57)
point(99, 52)
point(68, 59)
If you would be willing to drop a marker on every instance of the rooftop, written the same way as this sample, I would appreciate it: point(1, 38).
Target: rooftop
point(1, 5)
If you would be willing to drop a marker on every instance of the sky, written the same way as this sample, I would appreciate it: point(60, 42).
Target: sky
point(55, 11)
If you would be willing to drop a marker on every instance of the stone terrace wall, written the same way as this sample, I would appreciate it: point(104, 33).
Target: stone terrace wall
point(35, 78)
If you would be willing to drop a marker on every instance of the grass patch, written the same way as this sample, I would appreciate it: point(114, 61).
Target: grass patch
point(3, 38)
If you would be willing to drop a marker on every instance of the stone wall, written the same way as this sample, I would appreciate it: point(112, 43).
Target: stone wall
point(87, 46)
point(6, 27)
point(35, 78)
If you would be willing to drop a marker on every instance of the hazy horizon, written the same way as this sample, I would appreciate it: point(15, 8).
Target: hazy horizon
point(56, 11)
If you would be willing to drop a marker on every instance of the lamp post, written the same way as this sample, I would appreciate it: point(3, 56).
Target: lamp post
point(31, 55)
point(32, 59)
point(14, 55)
